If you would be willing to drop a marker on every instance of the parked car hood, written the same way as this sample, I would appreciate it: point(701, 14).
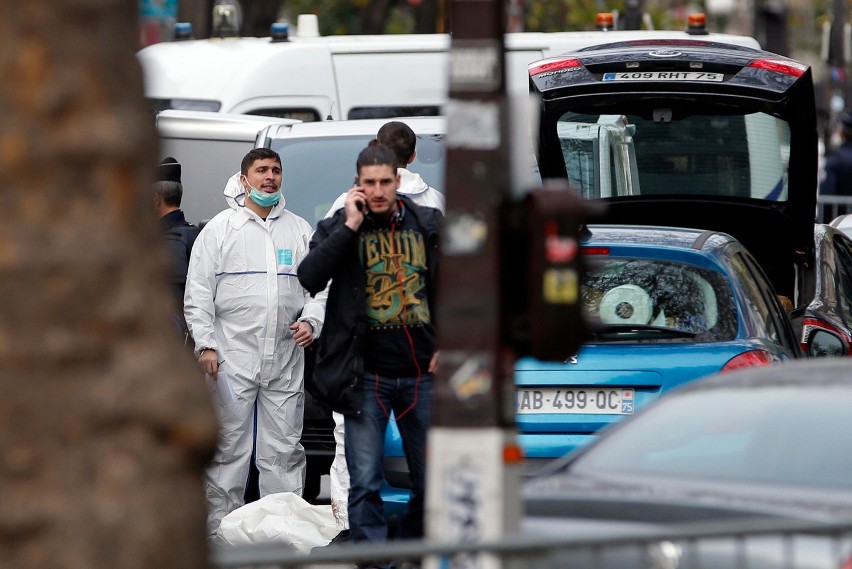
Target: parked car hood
point(668, 501)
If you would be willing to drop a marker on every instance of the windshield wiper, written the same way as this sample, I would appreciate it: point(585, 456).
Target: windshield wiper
point(610, 330)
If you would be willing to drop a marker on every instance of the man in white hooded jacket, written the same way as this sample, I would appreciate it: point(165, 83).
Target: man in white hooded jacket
point(251, 319)
point(399, 137)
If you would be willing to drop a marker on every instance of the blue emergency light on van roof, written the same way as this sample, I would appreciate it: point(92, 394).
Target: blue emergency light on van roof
point(280, 31)
point(183, 31)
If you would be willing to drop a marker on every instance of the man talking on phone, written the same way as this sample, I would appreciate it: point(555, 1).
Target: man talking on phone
point(377, 351)
point(402, 140)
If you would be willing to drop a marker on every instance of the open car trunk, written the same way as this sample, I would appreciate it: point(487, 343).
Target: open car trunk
point(690, 134)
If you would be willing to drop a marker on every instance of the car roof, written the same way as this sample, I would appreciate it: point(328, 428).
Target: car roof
point(842, 222)
point(360, 127)
point(656, 236)
point(213, 125)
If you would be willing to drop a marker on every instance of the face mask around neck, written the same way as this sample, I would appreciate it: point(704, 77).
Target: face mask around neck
point(263, 199)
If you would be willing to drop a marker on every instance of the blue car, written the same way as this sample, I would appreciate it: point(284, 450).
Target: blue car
point(670, 306)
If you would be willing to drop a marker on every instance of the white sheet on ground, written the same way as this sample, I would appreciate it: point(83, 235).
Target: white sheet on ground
point(280, 518)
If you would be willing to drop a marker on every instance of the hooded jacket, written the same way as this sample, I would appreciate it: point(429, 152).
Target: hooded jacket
point(411, 185)
point(334, 256)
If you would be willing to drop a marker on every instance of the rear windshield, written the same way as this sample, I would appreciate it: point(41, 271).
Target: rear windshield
point(672, 153)
point(317, 170)
point(651, 300)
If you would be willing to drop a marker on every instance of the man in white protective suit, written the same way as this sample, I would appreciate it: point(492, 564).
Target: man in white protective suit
point(250, 319)
point(399, 137)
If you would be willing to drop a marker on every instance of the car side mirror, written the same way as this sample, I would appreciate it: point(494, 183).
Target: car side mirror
point(823, 343)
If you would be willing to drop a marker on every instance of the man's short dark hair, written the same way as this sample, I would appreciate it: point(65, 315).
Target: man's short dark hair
point(399, 137)
point(256, 154)
point(170, 192)
point(376, 154)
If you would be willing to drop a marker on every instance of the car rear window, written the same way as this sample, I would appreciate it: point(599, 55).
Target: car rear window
point(666, 151)
point(652, 300)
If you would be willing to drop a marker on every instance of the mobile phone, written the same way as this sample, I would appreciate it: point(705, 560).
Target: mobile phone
point(361, 205)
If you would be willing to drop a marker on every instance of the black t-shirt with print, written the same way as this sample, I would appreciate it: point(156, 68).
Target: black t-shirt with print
point(400, 329)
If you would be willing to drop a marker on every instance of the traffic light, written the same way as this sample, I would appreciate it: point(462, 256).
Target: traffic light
point(543, 271)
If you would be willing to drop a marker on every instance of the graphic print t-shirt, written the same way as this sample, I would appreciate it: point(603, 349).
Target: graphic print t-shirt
point(398, 313)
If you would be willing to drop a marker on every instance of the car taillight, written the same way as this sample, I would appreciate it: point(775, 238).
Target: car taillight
point(748, 359)
point(595, 250)
point(785, 66)
point(811, 324)
point(551, 65)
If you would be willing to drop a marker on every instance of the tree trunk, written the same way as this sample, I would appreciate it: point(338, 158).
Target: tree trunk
point(199, 13)
point(426, 15)
point(375, 15)
point(104, 421)
point(258, 16)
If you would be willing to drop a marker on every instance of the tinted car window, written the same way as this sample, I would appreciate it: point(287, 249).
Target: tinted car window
point(660, 294)
point(676, 153)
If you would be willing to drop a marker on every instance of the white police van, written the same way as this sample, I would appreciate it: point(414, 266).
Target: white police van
point(310, 78)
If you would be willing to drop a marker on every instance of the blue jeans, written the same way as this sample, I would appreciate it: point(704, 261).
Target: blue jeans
point(365, 442)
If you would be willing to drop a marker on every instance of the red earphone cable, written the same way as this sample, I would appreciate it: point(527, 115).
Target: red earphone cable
point(399, 281)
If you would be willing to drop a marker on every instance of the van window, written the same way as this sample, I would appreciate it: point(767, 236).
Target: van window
point(662, 152)
point(393, 111)
point(304, 115)
point(158, 105)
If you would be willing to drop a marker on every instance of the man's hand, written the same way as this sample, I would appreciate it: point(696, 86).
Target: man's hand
point(208, 361)
point(433, 363)
point(303, 333)
point(355, 206)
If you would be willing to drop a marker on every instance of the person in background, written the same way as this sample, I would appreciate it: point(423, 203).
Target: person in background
point(837, 177)
point(251, 320)
point(178, 234)
point(378, 350)
point(401, 140)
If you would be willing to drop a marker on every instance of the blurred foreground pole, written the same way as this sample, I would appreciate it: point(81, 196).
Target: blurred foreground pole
point(104, 422)
point(509, 288)
point(474, 462)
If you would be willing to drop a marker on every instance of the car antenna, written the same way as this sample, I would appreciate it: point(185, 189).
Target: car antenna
point(329, 117)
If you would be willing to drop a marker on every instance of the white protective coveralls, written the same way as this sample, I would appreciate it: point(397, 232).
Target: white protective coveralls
point(242, 294)
point(412, 185)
